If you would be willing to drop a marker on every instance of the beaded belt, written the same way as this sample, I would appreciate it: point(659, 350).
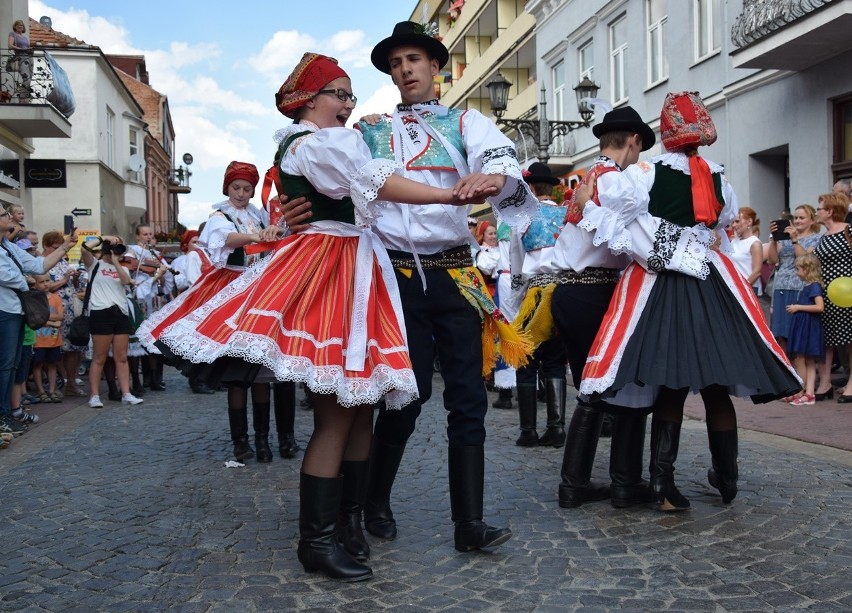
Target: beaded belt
point(542, 279)
point(458, 257)
point(590, 276)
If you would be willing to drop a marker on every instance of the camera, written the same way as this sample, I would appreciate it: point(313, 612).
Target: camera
point(107, 248)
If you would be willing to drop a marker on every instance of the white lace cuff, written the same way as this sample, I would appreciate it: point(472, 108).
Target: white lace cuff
point(607, 227)
point(365, 187)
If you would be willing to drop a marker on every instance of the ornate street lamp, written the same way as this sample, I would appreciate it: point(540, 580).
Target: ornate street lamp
point(542, 131)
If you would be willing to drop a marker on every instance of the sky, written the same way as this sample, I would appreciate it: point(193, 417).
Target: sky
point(220, 65)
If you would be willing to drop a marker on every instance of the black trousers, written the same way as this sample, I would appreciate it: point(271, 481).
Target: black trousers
point(548, 360)
point(578, 311)
point(440, 319)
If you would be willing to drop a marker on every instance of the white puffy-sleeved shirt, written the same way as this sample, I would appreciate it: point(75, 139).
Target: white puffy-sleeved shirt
point(434, 228)
point(338, 164)
point(487, 260)
point(625, 225)
point(246, 220)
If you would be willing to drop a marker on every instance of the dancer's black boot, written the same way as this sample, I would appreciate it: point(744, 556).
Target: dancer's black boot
point(384, 462)
point(319, 505)
point(467, 482)
point(554, 436)
point(723, 476)
point(260, 419)
point(625, 462)
point(665, 440)
point(284, 398)
point(579, 458)
point(349, 533)
point(527, 409)
point(504, 399)
point(238, 419)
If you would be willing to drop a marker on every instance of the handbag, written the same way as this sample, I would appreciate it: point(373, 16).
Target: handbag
point(78, 331)
point(33, 302)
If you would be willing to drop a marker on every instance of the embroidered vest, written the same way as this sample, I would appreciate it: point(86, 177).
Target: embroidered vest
point(574, 214)
point(432, 155)
point(545, 227)
point(323, 208)
point(238, 255)
point(671, 195)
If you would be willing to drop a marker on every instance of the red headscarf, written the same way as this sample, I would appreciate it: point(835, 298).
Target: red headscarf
point(313, 72)
point(240, 170)
point(685, 124)
point(184, 240)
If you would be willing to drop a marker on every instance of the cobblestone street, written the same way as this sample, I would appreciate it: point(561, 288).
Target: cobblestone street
point(132, 509)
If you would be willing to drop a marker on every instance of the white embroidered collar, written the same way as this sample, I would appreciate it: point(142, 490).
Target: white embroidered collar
point(680, 161)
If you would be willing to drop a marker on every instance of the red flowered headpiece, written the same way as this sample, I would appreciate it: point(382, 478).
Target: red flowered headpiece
point(184, 240)
point(313, 72)
point(685, 122)
point(240, 170)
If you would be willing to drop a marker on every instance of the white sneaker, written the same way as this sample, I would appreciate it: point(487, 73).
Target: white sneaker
point(131, 399)
point(95, 402)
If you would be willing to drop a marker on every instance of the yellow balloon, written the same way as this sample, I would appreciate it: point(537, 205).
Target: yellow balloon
point(840, 291)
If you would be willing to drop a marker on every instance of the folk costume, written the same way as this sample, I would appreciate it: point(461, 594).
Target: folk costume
point(586, 276)
point(446, 304)
point(535, 319)
point(682, 317)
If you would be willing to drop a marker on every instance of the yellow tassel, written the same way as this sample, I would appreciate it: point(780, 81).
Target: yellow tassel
point(540, 325)
point(515, 348)
point(489, 346)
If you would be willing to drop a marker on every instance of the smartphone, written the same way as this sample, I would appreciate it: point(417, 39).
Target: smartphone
point(69, 224)
point(780, 226)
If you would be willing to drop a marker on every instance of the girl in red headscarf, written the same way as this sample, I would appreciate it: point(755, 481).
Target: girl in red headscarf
point(682, 317)
point(324, 309)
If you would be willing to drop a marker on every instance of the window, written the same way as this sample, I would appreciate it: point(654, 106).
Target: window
point(557, 80)
point(842, 166)
point(658, 65)
point(133, 139)
point(708, 38)
point(617, 61)
point(586, 66)
point(110, 137)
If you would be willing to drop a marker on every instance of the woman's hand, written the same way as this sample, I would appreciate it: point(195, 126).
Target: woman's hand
point(269, 234)
point(792, 308)
point(372, 120)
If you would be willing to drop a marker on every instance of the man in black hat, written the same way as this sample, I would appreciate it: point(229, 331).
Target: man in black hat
point(548, 361)
point(446, 147)
point(586, 281)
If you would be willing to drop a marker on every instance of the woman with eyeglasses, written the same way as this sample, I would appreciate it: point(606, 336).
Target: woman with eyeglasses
point(324, 309)
point(15, 264)
point(835, 255)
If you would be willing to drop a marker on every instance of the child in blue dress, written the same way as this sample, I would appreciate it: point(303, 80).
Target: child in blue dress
point(806, 337)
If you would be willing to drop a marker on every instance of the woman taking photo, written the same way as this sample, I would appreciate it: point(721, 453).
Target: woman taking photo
point(835, 255)
point(802, 237)
point(109, 317)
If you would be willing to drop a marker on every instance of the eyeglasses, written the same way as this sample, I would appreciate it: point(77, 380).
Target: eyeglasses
point(341, 95)
point(5, 214)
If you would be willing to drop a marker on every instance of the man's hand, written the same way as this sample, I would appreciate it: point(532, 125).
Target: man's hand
point(583, 193)
point(295, 212)
point(476, 186)
point(269, 234)
point(372, 120)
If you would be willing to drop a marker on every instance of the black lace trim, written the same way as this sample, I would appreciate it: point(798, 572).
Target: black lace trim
point(517, 282)
point(665, 242)
point(407, 107)
point(498, 152)
point(516, 199)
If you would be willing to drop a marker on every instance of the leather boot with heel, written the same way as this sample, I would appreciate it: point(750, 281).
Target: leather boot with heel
point(555, 397)
point(527, 408)
point(628, 489)
point(318, 551)
point(579, 458)
point(284, 399)
point(384, 462)
point(260, 419)
point(238, 419)
point(724, 474)
point(665, 441)
point(349, 534)
point(467, 484)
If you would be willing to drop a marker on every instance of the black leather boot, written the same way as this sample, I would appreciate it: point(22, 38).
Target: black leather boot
point(665, 440)
point(136, 387)
point(384, 462)
point(504, 399)
point(554, 436)
point(723, 476)
point(625, 462)
point(156, 374)
point(319, 505)
point(349, 534)
point(284, 397)
point(114, 393)
point(467, 482)
point(527, 409)
point(238, 419)
point(145, 366)
point(199, 387)
point(579, 458)
point(260, 419)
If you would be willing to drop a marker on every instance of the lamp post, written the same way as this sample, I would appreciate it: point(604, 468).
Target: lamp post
point(541, 130)
point(181, 174)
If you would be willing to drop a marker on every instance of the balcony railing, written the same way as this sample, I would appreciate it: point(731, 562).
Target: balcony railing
point(34, 78)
